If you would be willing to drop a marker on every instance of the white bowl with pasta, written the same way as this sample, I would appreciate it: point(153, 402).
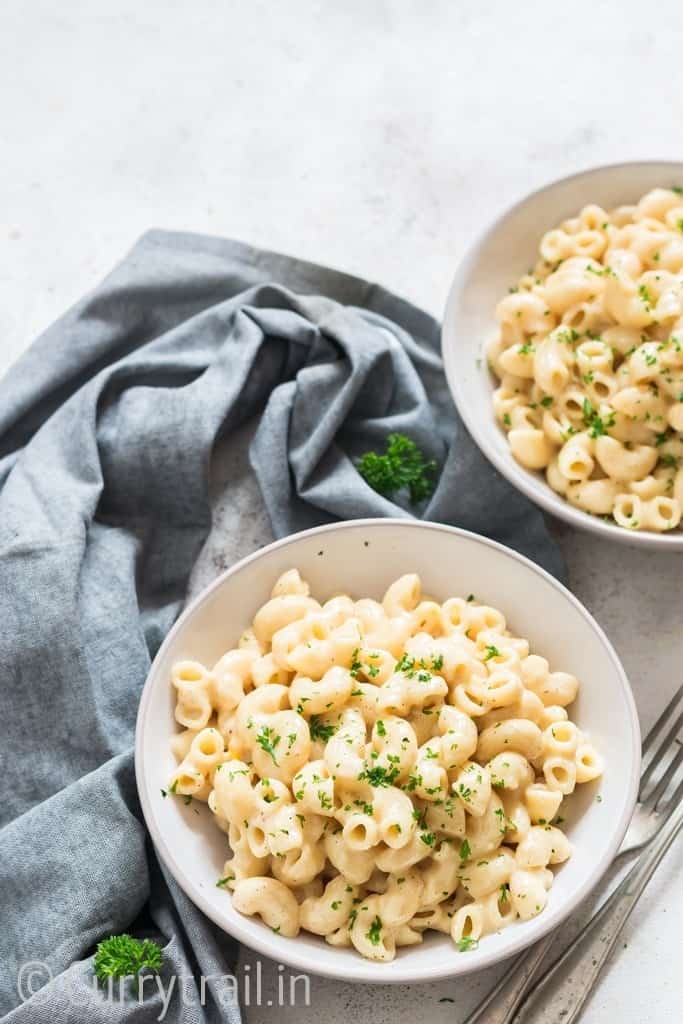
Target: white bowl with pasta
point(366, 796)
point(563, 347)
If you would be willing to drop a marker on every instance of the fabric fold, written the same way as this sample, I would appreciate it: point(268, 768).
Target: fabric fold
point(110, 427)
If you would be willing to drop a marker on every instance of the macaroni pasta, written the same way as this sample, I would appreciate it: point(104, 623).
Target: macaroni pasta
point(382, 768)
point(589, 358)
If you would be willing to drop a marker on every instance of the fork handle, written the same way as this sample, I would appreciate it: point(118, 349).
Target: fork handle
point(579, 966)
point(500, 1004)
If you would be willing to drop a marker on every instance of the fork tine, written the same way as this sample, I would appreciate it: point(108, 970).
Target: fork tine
point(661, 750)
point(663, 783)
point(663, 718)
point(663, 747)
point(674, 801)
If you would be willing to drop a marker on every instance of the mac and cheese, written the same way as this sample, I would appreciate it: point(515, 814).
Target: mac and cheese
point(382, 768)
point(589, 356)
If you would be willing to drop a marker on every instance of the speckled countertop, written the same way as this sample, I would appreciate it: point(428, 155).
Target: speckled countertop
point(379, 138)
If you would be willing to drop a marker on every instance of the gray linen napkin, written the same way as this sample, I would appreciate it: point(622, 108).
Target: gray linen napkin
point(107, 427)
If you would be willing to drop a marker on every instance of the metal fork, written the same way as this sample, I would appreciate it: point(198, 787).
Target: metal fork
point(661, 760)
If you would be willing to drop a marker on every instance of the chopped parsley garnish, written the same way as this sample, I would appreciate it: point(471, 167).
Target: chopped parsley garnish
point(223, 882)
point(405, 664)
point(375, 930)
point(403, 466)
point(319, 730)
point(568, 336)
point(268, 740)
point(365, 807)
point(602, 272)
point(491, 652)
point(645, 297)
point(428, 838)
point(506, 419)
point(465, 850)
point(506, 824)
point(466, 943)
point(378, 775)
point(597, 426)
point(381, 728)
point(547, 401)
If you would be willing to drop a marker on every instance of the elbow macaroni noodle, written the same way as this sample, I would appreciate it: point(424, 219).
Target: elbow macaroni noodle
point(382, 768)
point(589, 358)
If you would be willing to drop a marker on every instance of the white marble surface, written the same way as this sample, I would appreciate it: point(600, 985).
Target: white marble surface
point(377, 137)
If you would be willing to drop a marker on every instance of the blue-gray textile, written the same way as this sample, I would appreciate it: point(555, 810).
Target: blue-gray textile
point(107, 427)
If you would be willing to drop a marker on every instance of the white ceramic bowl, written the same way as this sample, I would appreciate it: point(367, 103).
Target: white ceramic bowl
point(496, 261)
point(362, 557)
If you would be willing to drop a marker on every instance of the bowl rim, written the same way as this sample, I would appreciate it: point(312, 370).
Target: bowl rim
point(523, 479)
point(285, 951)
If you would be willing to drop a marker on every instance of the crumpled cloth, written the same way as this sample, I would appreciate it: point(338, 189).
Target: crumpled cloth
point(107, 427)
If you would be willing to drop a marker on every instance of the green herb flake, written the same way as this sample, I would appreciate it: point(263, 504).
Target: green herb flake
point(268, 740)
point(378, 775)
point(319, 730)
point(597, 426)
point(374, 933)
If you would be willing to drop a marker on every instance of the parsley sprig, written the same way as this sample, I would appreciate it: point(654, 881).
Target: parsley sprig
point(378, 775)
point(402, 466)
point(321, 730)
point(592, 419)
point(121, 955)
point(268, 740)
point(374, 933)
